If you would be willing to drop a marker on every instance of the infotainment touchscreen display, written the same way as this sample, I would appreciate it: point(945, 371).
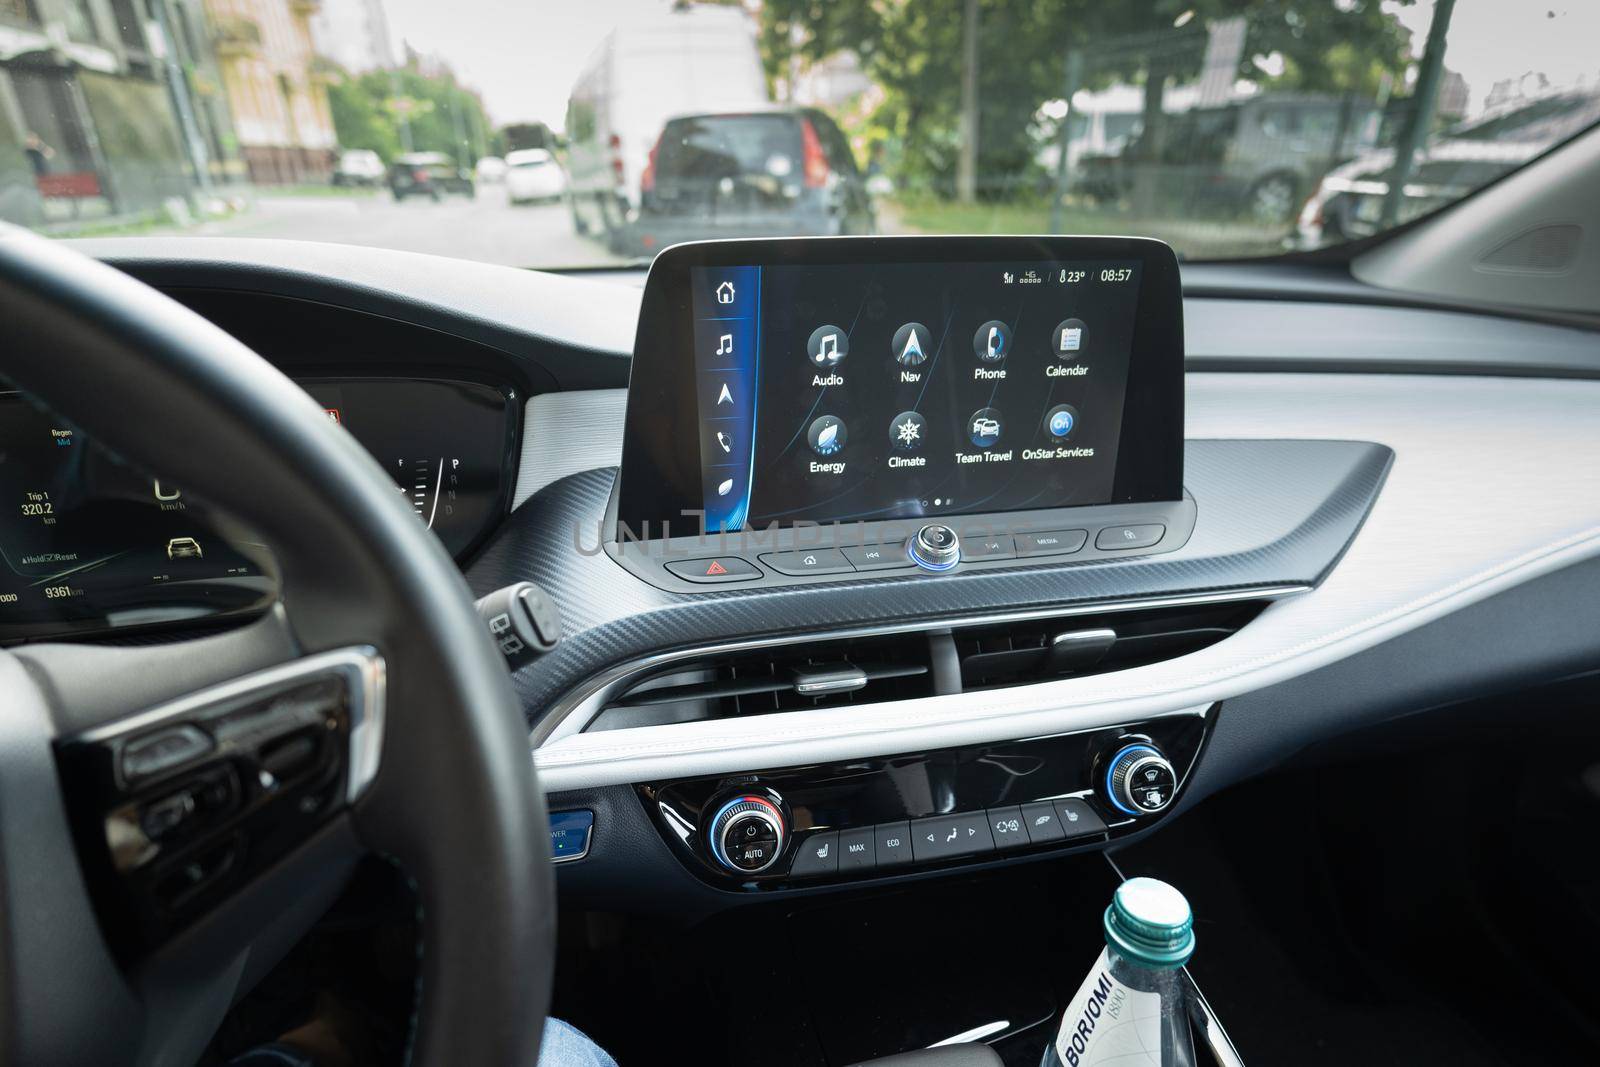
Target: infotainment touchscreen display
point(876, 379)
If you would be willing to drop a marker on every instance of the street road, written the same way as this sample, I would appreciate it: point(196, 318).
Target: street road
point(487, 228)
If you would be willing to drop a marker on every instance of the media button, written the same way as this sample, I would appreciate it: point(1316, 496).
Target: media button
point(809, 561)
point(1051, 542)
point(827, 346)
point(1070, 339)
point(911, 345)
point(992, 342)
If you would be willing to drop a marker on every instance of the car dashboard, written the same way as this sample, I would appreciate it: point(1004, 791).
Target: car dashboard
point(1345, 557)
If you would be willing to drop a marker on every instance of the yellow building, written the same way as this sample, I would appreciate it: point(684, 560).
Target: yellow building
point(279, 102)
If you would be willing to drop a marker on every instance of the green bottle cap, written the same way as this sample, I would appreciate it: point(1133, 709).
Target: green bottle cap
point(1150, 923)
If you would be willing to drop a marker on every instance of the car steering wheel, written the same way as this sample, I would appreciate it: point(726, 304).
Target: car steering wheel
point(447, 792)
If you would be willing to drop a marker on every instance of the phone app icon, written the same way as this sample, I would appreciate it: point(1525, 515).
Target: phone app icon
point(827, 435)
point(1070, 339)
point(912, 344)
point(992, 341)
point(984, 426)
point(1061, 420)
point(827, 346)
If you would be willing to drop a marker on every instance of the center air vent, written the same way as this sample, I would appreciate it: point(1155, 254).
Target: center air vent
point(802, 674)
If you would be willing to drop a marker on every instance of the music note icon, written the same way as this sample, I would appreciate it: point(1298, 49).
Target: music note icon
point(725, 345)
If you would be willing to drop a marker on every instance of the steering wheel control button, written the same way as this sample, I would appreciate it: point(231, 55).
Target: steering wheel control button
point(1000, 547)
point(570, 832)
point(878, 557)
point(809, 561)
point(944, 836)
point(857, 850)
point(747, 834)
point(817, 855)
point(159, 752)
point(1042, 823)
point(714, 570)
point(1140, 780)
point(1009, 828)
point(1141, 536)
point(935, 547)
point(1078, 819)
point(1051, 542)
point(893, 840)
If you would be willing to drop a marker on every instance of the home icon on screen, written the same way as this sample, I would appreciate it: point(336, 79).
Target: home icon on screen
point(725, 293)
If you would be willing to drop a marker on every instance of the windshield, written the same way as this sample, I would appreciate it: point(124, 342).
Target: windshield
point(595, 134)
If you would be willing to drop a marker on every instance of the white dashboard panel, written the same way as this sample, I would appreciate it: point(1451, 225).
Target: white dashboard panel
point(1495, 481)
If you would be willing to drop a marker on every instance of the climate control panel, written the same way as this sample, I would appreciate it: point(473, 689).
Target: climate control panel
point(801, 826)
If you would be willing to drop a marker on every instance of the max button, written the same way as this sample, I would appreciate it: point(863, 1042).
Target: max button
point(714, 570)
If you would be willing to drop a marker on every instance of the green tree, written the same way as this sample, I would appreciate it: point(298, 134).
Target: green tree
point(369, 111)
point(912, 49)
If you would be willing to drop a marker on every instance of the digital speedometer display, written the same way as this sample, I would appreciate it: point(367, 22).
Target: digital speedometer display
point(86, 542)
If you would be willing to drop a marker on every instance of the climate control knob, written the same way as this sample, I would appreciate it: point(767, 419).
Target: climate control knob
point(748, 834)
point(1139, 780)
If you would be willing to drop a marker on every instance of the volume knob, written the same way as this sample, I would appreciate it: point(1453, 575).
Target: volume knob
point(1140, 780)
point(748, 834)
point(935, 547)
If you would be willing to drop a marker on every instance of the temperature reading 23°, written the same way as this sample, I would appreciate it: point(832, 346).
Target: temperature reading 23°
point(430, 484)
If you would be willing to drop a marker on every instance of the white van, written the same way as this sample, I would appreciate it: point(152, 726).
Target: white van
point(687, 60)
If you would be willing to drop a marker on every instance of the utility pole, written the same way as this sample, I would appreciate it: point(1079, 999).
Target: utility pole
point(967, 161)
point(1415, 130)
point(1074, 77)
point(402, 109)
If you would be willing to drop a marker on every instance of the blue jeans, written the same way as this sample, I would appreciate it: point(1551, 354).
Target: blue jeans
point(565, 1045)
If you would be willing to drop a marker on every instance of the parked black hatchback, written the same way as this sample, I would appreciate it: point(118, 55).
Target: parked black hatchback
point(430, 174)
point(760, 173)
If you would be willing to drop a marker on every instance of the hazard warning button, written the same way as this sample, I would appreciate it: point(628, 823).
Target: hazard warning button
point(715, 569)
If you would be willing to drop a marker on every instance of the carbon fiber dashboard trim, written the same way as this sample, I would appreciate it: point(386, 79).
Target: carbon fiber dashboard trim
point(1271, 513)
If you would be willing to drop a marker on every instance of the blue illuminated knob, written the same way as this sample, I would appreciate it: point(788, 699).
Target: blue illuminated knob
point(748, 834)
point(935, 548)
point(1139, 780)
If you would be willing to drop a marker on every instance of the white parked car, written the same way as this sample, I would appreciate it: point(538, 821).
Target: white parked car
point(490, 170)
point(359, 166)
point(533, 175)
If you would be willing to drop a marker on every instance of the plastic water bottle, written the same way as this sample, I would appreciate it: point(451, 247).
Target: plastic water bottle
point(1130, 1010)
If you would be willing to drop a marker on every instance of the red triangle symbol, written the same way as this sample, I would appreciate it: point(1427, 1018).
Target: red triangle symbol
point(716, 568)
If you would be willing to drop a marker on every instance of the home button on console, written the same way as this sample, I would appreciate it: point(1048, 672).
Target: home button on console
point(810, 561)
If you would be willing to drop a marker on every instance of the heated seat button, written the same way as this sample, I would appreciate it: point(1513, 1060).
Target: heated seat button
point(893, 842)
point(817, 854)
point(1043, 822)
point(714, 570)
point(1142, 536)
point(1008, 828)
point(1078, 818)
point(810, 561)
point(857, 850)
